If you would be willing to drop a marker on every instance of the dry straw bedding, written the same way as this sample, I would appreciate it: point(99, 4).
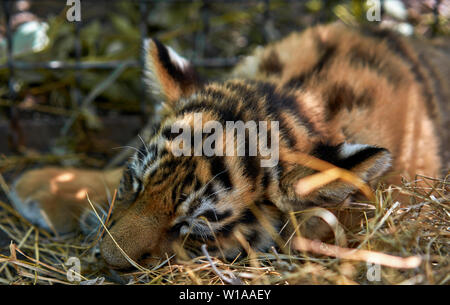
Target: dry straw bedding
point(405, 244)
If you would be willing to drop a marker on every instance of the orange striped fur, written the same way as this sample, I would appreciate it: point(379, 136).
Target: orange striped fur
point(364, 100)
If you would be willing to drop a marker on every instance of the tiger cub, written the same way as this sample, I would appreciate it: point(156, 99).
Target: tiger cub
point(363, 100)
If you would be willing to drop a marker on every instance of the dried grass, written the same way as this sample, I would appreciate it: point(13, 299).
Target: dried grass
point(410, 243)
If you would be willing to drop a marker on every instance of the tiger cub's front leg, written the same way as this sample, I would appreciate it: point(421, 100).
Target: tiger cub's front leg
point(55, 198)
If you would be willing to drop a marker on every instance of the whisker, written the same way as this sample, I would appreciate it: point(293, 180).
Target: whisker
point(204, 187)
point(130, 147)
point(221, 190)
point(145, 145)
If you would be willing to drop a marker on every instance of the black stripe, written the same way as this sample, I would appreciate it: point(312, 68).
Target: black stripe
point(343, 96)
point(224, 114)
point(141, 153)
point(359, 157)
point(397, 44)
point(331, 154)
point(220, 172)
point(164, 58)
point(209, 192)
point(265, 202)
point(174, 194)
point(198, 185)
point(227, 229)
point(188, 180)
point(161, 179)
point(168, 134)
point(162, 152)
point(169, 165)
point(298, 80)
point(214, 93)
point(265, 181)
point(361, 57)
point(277, 105)
point(247, 217)
point(212, 248)
point(215, 216)
point(327, 56)
point(175, 230)
point(271, 63)
point(152, 149)
point(252, 167)
point(252, 237)
point(201, 237)
point(248, 93)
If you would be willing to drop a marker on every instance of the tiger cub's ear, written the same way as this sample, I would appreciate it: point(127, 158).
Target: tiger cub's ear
point(168, 75)
point(365, 161)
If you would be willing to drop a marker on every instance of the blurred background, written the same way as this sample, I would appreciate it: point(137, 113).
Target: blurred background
point(71, 92)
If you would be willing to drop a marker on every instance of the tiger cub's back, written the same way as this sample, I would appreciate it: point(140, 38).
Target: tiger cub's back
point(366, 86)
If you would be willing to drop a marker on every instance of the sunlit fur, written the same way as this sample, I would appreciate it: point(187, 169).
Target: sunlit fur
point(328, 87)
point(361, 100)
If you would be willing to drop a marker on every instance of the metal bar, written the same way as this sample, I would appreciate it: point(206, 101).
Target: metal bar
point(15, 136)
point(435, 26)
point(9, 48)
point(215, 62)
point(64, 65)
point(200, 37)
point(99, 88)
point(76, 97)
point(77, 46)
point(382, 11)
point(143, 10)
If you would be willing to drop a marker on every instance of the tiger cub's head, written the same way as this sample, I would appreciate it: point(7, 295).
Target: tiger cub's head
point(169, 203)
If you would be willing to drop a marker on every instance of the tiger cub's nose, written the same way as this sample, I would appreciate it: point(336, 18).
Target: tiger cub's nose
point(121, 248)
point(132, 237)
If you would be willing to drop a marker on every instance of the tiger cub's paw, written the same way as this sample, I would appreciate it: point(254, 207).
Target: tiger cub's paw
point(55, 198)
